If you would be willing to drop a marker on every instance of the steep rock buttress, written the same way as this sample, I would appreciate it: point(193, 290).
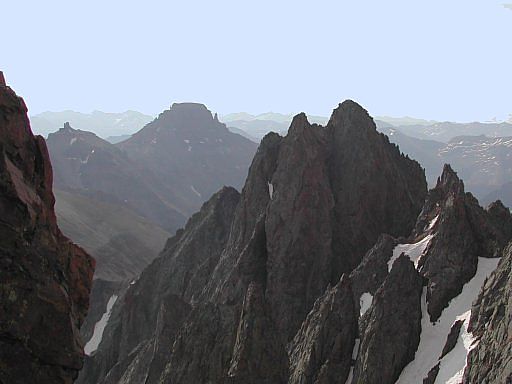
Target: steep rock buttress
point(45, 279)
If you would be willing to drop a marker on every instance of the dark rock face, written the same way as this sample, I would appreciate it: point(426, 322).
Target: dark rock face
point(373, 269)
point(153, 309)
point(370, 179)
point(258, 354)
point(491, 322)
point(299, 225)
point(321, 351)
point(451, 340)
point(464, 232)
point(432, 375)
point(295, 231)
point(336, 189)
point(393, 328)
point(45, 278)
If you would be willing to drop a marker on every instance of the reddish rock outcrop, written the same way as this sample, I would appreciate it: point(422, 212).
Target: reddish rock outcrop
point(45, 279)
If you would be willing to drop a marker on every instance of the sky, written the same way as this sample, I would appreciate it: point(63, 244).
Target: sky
point(440, 60)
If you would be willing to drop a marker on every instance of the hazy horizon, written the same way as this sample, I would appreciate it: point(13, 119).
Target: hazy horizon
point(261, 115)
point(435, 61)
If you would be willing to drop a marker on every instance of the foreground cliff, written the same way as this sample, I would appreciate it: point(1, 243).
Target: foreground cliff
point(490, 361)
point(45, 279)
point(233, 297)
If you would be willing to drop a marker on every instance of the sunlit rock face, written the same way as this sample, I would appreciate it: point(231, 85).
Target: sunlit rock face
point(45, 279)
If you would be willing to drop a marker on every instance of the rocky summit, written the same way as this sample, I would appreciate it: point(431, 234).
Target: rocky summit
point(256, 287)
point(191, 153)
point(44, 278)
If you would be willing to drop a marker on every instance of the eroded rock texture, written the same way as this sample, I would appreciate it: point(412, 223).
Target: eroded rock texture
point(464, 231)
point(491, 322)
point(321, 351)
point(393, 326)
point(44, 278)
point(313, 203)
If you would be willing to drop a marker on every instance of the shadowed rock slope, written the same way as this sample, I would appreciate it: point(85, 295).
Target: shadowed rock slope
point(45, 279)
point(122, 242)
point(234, 288)
point(88, 165)
point(191, 153)
point(443, 253)
point(491, 322)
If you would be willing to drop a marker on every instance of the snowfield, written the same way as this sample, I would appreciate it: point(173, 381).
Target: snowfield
point(433, 335)
point(365, 302)
point(414, 251)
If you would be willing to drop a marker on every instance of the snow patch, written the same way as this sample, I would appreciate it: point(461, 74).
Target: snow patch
point(73, 140)
point(87, 158)
point(451, 369)
point(270, 189)
point(99, 327)
point(365, 301)
point(195, 191)
point(414, 251)
point(350, 376)
point(432, 223)
point(355, 351)
point(433, 335)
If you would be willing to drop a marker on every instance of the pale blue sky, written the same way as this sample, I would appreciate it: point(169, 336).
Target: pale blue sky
point(443, 60)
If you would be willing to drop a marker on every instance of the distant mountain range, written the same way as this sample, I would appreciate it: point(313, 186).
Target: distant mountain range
point(115, 127)
point(122, 241)
point(103, 124)
point(156, 179)
point(483, 162)
point(446, 131)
